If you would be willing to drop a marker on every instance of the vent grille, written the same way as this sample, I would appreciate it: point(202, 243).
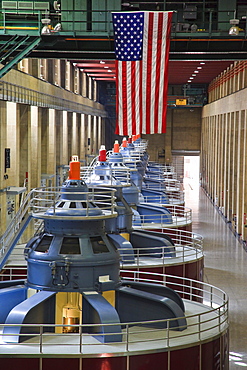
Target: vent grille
point(9, 4)
point(25, 5)
point(41, 6)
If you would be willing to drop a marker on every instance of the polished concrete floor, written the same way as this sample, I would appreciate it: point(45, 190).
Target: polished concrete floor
point(225, 266)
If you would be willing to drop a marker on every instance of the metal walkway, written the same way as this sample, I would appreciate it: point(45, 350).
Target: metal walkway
point(14, 49)
point(15, 229)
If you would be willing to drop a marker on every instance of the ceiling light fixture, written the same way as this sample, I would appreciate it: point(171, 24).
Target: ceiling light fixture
point(234, 29)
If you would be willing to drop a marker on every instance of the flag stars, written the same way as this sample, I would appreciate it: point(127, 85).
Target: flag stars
point(128, 36)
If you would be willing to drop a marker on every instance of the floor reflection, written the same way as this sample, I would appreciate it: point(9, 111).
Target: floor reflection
point(225, 266)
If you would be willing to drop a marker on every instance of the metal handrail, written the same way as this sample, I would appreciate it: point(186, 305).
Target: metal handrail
point(39, 200)
point(180, 214)
point(46, 198)
point(15, 223)
point(171, 183)
point(116, 173)
point(173, 196)
point(163, 254)
point(98, 21)
point(188, 245)
point(210, 320)
point(61, 100)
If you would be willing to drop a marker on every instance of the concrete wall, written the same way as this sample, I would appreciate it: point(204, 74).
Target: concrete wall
point(224, 157)
point(183, 132)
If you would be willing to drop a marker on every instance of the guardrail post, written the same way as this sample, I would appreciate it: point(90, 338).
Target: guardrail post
point(211, 296)
point(54, 203)
point(219, 318)
point(127, 338)
point(168, 333)
point(199, 328)
point(81, 339)
point(138, 257)
point(41, 331)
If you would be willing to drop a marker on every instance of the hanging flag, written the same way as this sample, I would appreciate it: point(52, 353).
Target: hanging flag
point(142, 41)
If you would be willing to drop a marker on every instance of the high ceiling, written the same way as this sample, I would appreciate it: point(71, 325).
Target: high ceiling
point(180, 72)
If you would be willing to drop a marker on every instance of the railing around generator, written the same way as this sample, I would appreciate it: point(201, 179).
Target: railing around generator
point(205, 321)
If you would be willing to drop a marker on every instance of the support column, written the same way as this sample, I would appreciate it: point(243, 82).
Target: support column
point(217, 160)
point(25, 133)
point(3, 178)
point(13, 142)
point(90, 88)
point(84, 130)
point(69, 124)
point(51, 165)
point(89, 135)
point(95, 136)
point(237, 72)
point(244, 182)
point(211, 150)
point(100, 141)
point(225, 165)
point(222, 173)
point(229, 69)
point(245, 74)
point(34, 148)
point(77, 81)
point(234, 78)
point(69, 78)
point(95, 93)
point(48, 142)
point(57, 72)
point(240, 126)
point(230, 167)
point(74, 146)
point(103, 131)
point(84, 85)
point(205, 156)
point(64, 143)
point(235, 117)
point(59, 147)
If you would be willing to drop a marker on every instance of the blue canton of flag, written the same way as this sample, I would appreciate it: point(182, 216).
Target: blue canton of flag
point(128, 30)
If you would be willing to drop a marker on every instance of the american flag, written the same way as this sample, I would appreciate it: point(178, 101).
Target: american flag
point(142, 41)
